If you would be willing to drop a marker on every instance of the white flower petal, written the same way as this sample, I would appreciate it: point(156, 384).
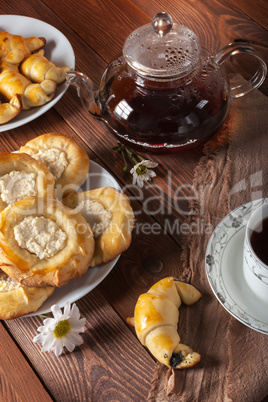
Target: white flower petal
point(135, 177)
point(149, 164)
point(151, 173)
point(49, 322)
point(38, 338)
point(58, 346)
point(56, 311)
point(47, 343)
point(75, 313)
point(140, 180)
point(69, 345)
point(75, 338)
point(78, 325)
point(67, 311)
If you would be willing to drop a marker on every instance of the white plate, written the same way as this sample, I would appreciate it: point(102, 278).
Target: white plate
point(77, 288)
point(57, 49)
point(224, 268)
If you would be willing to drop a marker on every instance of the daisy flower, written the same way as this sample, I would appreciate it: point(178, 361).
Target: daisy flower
point(141, 173)
point(62, 330)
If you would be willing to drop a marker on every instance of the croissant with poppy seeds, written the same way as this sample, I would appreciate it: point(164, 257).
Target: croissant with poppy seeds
point(156, 319)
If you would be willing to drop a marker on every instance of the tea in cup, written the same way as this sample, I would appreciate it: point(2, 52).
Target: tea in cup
point(255, 254)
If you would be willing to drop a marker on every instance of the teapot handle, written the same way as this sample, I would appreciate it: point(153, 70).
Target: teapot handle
point(85, 91)
point(257, 79)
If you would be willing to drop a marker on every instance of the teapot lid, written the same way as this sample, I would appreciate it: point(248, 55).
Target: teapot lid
point(162, 49)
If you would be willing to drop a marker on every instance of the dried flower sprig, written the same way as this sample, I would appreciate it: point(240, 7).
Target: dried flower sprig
point(139, 171)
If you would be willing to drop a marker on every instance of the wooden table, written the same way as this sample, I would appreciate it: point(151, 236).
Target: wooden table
point(111, 365)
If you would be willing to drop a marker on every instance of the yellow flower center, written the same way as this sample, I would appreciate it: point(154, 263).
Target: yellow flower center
point(62, 329)
point(141, 170)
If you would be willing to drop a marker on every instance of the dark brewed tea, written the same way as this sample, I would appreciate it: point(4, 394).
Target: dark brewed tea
point(159, 114)
point(259, 241)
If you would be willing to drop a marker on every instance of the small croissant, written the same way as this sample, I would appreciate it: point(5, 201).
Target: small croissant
point(156, 319)
point(12, 83)
point(37, 68)
point(9, 42)
point(10, 110)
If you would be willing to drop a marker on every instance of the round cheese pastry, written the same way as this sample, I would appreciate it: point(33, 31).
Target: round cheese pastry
point(17, 300)
point(66, 160)
point(22, 176)
point(110, 216)
point(43, 243)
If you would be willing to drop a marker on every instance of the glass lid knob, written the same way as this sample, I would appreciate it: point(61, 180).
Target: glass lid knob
point(162, 23)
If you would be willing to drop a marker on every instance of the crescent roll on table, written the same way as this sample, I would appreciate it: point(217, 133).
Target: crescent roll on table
point(156, 319)
point(37, 68)
point(42, 243)
point(110, 216)
point(9, 42)
point(17, 300)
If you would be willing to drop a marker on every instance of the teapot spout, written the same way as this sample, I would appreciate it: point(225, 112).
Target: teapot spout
point(85, 90)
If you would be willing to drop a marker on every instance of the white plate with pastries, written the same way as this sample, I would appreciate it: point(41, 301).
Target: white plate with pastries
point(77, 288)
point(57, 49)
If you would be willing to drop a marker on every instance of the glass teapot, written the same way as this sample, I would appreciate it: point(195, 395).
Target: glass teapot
point(165, 92)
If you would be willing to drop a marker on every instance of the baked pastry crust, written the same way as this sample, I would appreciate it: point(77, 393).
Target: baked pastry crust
point(19, 300)
point(75, 173)
point(44, 183)
point(116, 237)
point(10, 110)
point(69, 262)
point(37, 68)
point(9, 42)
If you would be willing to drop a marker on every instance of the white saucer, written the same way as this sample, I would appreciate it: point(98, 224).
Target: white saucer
point(224, 268)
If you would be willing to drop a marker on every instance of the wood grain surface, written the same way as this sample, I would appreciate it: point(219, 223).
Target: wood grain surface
point(112, 365)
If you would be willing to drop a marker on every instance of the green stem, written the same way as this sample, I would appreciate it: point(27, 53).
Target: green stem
point(43, 316)
point(125, 168)
point(132, 155)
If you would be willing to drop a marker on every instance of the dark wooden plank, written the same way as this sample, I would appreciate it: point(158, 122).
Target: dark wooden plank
point(103, 25)
point(110, 365)
point(258, 11)
point(25, 385)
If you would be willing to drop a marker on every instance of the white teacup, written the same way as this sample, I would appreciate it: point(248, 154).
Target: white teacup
point(255, 270)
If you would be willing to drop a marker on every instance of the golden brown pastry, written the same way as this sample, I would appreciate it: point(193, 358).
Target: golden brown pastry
point(9, 42)
point(10, 110)
point(110, 216)
point(37, 68)
point(156, 319)
point(12, 83)
point(22, 176)
point(42, 243)
point(17, 300)
point(67, 161)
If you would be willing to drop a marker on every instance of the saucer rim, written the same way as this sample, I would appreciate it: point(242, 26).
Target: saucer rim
point(214, 267)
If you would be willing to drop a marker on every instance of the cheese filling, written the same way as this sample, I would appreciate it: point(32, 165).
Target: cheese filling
point(6, 283)
point(16, 185)
point(96, 216)
point(54, 158)
point(40, 236)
